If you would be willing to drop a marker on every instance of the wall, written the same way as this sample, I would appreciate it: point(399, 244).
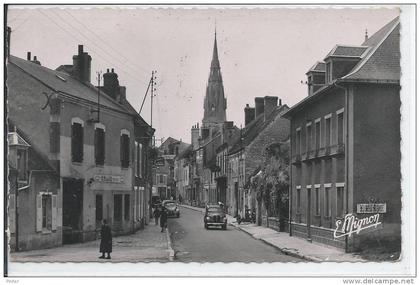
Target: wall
point(318, 172)
point(114, 122)
point(377, 158)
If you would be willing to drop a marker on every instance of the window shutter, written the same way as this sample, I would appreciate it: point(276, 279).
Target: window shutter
point(38, 212)
point(54, 212)
point(12, 213)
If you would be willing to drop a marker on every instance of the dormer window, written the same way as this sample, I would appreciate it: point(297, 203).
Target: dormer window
point(341, 60)
point(316, 77)
point(328, 73)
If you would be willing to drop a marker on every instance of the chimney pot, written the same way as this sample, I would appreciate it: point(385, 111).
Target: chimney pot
point(80, 49)
point(28, 56)
point(270, 104)
point(107, 70)
point(249, 114)
point(259, 106)
point(112, 70)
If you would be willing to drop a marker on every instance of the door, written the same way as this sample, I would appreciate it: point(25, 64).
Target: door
point(72, 211)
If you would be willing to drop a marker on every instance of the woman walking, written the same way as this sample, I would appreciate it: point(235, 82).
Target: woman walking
point(163, 219)
point(106, 241)
point(156, 214)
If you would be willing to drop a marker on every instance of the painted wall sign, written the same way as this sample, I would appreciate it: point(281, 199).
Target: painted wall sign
point(352, 224)
point(105, 178)
point(371, 208)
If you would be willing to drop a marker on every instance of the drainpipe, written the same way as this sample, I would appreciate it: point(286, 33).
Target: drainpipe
point(291, 183)
point(346, 152)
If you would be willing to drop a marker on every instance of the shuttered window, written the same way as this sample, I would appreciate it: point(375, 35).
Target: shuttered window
point(76, 142)
point(125, 150)
point(99, 146)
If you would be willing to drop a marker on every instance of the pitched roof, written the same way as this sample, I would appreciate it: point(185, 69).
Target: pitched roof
point(63, 82)
point(317, 67)
point(254, 128)
point(382, 62)
point(347, 51)
point(379, 63)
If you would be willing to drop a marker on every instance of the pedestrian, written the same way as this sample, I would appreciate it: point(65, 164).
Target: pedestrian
point(106, 240)
point(156, 214)
point(163, 219)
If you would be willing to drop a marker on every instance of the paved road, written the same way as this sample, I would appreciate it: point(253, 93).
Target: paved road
point(193, 243)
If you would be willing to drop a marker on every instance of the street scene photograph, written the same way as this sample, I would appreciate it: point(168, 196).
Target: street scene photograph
point(182, 135)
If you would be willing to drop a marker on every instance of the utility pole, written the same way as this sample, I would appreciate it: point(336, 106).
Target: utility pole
point(152, 94)
point(99, 85)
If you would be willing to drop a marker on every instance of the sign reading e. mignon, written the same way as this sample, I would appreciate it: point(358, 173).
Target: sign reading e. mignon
point(106, 178)
point(371, 208)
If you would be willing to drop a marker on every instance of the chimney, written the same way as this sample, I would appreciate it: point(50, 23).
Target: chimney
point(122, 94)
point(259, 106)
point(195, 134)
point(36, 61)
point(111, 84)
point(82, 65)
point(28, 56)
point(249, 114)
point(270, 104)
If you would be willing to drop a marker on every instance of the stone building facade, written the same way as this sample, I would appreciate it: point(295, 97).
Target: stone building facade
point(345, 146)
point(59, 113)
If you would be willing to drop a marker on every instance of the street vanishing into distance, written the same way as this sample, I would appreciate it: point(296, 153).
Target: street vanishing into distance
point(193, 243)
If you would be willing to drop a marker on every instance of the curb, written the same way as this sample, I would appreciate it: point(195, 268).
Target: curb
point(170, 249)
point(283, 250)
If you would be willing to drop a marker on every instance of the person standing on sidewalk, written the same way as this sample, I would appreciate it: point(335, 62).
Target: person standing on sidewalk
point(106, 241)
point(163, 219)
point(156, 214)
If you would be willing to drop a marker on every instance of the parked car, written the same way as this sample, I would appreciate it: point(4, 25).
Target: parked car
point(215, 216)
point(171, 208)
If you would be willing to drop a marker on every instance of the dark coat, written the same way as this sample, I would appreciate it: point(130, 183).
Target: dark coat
point(106, 239)
point(156, 213)
point(163, 218)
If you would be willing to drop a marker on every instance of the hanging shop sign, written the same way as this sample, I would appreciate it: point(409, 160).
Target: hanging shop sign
point(105, 178)
point(371, 208)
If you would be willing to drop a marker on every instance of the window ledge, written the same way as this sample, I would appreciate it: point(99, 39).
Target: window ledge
point(46, 232)
point(77, 163)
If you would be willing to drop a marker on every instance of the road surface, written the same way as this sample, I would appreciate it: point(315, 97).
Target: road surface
point(193, 243)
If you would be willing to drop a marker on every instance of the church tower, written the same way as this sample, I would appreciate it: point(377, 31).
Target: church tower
point(215, 101)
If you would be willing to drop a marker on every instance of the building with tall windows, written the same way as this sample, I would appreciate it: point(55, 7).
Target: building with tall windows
point(345, 146)
point(91, 138)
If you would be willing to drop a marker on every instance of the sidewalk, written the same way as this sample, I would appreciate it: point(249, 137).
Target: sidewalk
point(290, 245)
point(146, 245)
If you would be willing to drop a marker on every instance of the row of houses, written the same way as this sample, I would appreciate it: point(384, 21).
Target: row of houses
point(78, 154)
point(319, 170)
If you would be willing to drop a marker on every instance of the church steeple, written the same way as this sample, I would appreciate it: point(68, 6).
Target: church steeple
point(214, 102)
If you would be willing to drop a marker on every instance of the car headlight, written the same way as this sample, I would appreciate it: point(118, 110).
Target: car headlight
point(207, 218)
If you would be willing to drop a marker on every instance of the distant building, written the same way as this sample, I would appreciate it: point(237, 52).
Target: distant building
point(345, 145)
point(97, 150)
point(264, 126)
point(164, 169)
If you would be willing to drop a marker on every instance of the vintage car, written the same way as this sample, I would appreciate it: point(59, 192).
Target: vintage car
point(215, 216)
point(171, 208)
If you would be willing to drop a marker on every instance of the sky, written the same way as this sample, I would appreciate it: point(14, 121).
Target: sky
point(262, 51)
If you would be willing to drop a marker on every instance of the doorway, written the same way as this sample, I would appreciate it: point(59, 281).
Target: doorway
point(72, 211)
